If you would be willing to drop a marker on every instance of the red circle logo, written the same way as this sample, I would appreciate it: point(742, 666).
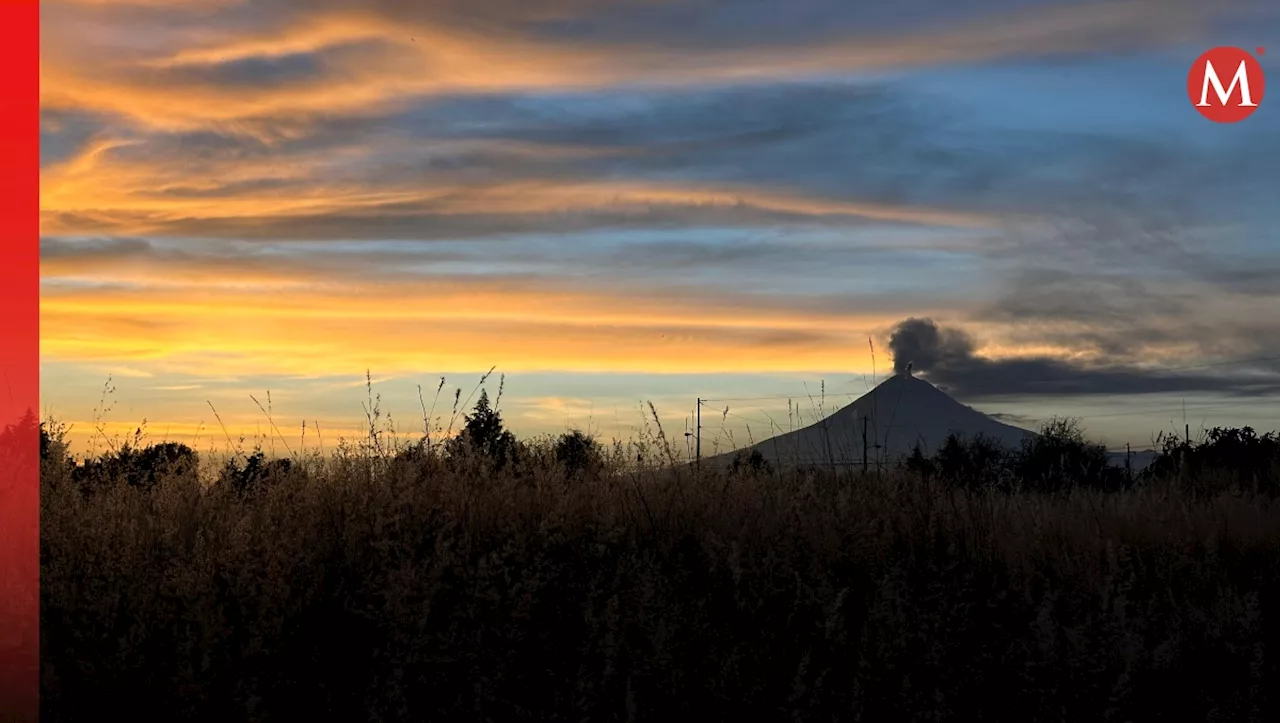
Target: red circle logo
point(1226, 84)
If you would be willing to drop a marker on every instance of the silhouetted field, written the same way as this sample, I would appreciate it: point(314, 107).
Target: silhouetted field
point(489, 579)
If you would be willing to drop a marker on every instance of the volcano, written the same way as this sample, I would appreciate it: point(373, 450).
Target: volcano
point(899, 414)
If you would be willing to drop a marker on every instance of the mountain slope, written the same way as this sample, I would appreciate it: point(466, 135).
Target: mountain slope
point(899, 413)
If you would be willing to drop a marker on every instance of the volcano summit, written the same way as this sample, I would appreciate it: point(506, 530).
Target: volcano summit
point(900, 413)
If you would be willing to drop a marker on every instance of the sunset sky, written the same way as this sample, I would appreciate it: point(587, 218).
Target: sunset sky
point(616, 202)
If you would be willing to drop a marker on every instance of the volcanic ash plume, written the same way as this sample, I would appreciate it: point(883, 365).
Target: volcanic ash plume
point(923, 346)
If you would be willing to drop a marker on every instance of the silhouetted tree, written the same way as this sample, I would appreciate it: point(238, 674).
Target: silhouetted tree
point(19, 446)
point(483, 435)
point(919, 464)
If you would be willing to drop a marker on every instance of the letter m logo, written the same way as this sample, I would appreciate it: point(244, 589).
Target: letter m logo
point(1241, 78)
point(1230, 102)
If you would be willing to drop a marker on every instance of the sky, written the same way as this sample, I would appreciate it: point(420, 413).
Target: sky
point(619, 202)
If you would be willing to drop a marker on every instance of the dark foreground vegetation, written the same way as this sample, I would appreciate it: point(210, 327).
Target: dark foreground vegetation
point(493, 579)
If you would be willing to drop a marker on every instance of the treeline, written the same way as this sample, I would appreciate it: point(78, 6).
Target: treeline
point(1058, 458)
point(483, 444)
point(1061, 457)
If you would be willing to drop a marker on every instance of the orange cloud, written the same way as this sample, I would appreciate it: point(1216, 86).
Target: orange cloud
point(441, 325)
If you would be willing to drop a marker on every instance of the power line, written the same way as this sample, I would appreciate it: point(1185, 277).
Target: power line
point(777, 397)
point(749, 419)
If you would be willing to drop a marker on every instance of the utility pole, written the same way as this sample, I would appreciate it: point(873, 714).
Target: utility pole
point(698, 437)
point(1186, 428)
point(1128, 468)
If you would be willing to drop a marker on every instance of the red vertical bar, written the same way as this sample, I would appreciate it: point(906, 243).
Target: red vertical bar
point(19, 360)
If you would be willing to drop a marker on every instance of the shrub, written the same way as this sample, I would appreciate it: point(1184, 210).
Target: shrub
point(1227, 458)
point(578, 452)
point(750, 464)
point(1060, 457)
point(255, 474)
point(141, 467)
point(971, 462)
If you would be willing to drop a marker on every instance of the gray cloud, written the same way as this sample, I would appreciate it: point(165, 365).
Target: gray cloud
point(1017, 420)
point(256, 71)
point(63, 134)
point(1125, 280)
point(415, 267)
point(697, 25)
point(949, 358)
point(104, 256)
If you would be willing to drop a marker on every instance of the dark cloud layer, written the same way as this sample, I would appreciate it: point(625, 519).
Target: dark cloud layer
point(684, 25)
point(949, 358)
point(865, 142)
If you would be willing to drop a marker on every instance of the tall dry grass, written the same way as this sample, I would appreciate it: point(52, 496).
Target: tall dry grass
point(370, 587)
